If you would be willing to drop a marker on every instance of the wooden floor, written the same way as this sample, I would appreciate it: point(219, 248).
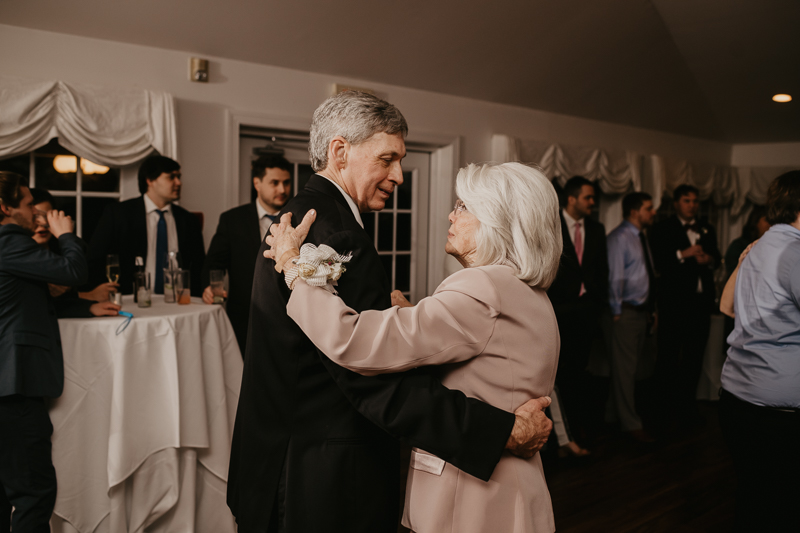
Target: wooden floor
point(683, 484)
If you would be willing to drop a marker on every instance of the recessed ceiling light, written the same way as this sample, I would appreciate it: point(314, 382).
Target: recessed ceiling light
point(782, 98)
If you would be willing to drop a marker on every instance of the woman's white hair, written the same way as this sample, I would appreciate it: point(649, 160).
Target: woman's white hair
point(354, 115)
point(520, 226)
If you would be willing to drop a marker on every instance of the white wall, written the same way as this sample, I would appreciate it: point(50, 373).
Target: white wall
point(279, 92)
point(766, 155)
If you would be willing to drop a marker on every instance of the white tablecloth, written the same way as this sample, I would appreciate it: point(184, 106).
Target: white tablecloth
point(142, 432)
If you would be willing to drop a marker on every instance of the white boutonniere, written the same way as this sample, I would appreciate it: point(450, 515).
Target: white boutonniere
point(321, 266)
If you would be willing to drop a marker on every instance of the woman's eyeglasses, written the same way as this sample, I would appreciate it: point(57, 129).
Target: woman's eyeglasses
point(459, 207)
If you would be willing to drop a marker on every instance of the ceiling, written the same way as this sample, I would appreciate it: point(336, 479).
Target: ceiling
point(703, 68)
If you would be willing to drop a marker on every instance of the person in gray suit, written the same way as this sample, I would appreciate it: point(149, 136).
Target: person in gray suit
point(31, 364)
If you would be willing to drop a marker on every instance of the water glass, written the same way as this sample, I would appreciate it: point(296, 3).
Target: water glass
point(217, 278)
point(169, 286)
point(142, 288)
point(183, 291)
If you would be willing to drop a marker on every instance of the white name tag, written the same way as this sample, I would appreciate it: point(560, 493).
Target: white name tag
point(426, 462)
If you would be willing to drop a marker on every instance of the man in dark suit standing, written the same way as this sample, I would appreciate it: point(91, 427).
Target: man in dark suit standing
point(579, 295)
point(314, 445)
point(31, 364)
point(239, 234)
point(685, 253)
point(149, 227)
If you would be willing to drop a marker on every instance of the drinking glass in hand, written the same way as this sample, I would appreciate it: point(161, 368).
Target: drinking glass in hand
point(112, 268)
point(217, 278)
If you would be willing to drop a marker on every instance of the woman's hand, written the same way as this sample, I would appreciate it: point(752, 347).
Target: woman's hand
point(285, 241)
point(399, 300)
point(56, 290)
point(59, 223)
point(104, 309)
point(747, 251)
point(100, 293)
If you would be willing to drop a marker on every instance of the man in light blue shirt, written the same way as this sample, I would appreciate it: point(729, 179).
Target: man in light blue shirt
point(760, 401)
point(631, 282)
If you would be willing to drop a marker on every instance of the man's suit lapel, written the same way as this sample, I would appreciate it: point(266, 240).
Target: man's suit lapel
point(568, 248)
point(325, 186)
point(680, 233)
point(252, 229)
point(139, 220)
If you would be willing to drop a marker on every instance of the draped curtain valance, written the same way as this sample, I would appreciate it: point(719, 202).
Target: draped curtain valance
point(621, 171)
point(113, 127)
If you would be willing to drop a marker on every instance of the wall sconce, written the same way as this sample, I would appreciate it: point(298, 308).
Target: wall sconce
point(198, 69)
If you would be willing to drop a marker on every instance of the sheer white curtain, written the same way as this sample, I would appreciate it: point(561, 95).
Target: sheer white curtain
point(113, 127)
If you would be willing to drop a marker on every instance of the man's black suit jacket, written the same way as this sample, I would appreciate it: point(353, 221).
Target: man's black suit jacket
point(122, 230)
point(592, 271)
point(335, 430)
point(234, 248)
point(678, 279)
point(31, 362)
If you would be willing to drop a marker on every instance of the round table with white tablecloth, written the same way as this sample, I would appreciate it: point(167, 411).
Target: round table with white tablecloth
point(142, 432)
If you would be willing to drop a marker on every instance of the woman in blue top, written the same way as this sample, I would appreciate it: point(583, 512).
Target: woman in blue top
point(760, 399)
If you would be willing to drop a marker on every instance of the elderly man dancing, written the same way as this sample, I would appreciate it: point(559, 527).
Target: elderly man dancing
point(315, 445)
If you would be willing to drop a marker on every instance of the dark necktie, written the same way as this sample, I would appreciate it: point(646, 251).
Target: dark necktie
point(651, 275)
point(161, 251)
point(270, 217)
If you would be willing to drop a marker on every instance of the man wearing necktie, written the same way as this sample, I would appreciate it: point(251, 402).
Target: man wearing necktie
point(579, 295)
point(149, 226)
point(632, 301)
point(685, 253)
point(239, 234)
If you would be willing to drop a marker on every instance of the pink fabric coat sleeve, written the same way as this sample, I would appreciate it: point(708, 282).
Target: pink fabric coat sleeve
point(453, 325)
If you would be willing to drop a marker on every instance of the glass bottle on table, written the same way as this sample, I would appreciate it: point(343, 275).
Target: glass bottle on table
point(172, 263)
point(139, 262)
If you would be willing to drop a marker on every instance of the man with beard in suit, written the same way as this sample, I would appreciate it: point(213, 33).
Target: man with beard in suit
point(239, 234)
point(685, 253)
point(149, 226)
point(315, 446)
point(579, 295)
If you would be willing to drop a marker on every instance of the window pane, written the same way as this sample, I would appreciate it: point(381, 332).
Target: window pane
point(92, 211)
point(20, 164)
point(369, 224)
point(304, 173)
point(99, 180)
point(404, 232)
point(402, 273)
point(386, 260)
point(385, 231)
point(47, 177)
point(404, 192)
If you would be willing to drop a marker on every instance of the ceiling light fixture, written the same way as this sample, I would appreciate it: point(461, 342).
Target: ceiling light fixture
point(782, 98)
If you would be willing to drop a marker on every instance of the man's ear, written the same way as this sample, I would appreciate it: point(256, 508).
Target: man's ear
point(255, 182)
point(337, 152)
point(5, 209)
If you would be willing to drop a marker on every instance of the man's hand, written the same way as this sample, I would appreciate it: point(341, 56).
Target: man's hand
point(59, 223)
point(285, 241)
point(703, 259)
point(208, 295)
point(399, 300)
point(531, 428)
point(692, 251)
point(56, 290)
point(100, 293)
point(104, 309)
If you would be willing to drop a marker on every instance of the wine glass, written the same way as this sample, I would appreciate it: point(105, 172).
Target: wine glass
point(112, 273)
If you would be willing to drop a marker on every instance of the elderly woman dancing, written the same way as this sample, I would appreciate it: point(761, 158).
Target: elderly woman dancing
point(490, 326)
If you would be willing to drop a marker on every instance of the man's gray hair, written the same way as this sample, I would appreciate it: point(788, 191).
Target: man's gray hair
point(517, 207)
point(354, 115)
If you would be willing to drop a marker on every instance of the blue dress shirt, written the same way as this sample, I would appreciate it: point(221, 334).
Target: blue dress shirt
point(763, 365)
point(627, 271)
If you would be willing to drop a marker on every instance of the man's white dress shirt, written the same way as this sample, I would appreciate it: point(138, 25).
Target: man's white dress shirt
point(264, 222)
point(151, 210)
point(350, 202)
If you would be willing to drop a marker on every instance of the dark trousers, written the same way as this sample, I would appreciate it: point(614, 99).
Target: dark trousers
point(682, 337)
point(578, 325)
point(764, 443)
point(27, 476)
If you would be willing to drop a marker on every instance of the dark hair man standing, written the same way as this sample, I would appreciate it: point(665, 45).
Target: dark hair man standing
point(632, 300)
point(31, 365)
point(579, 295)
point(149, 226)
point(239, 234)
point(685, 253)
